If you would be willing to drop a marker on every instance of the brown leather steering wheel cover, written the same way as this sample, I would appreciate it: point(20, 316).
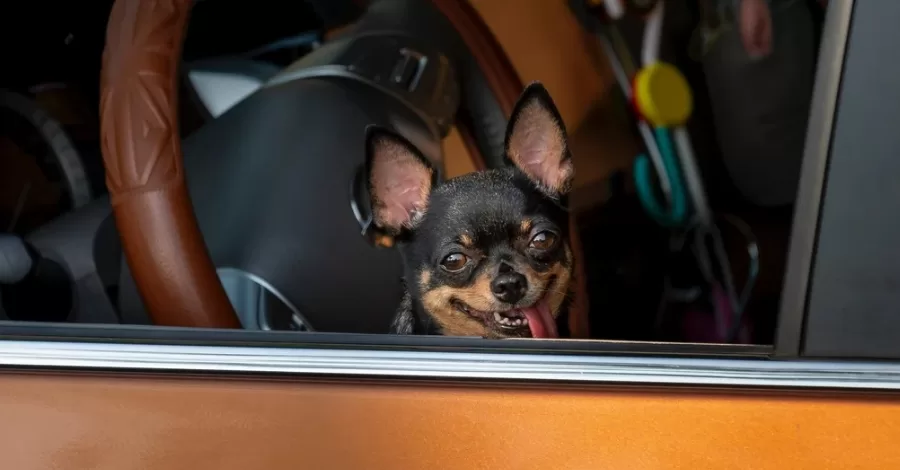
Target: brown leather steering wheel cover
point(505, 84)
point(142, 154)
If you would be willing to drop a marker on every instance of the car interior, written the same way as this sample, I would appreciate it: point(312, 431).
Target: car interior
point(684, 236)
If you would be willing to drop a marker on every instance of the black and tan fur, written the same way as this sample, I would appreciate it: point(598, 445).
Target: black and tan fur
point(500, 223)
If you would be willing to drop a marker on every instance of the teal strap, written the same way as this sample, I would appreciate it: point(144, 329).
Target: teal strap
point(673, 215)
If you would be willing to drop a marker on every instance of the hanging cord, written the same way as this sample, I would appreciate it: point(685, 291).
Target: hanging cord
point(621, 47)
point(616, 61)
point(658, 148)
point(623, 68)
point(653, 35)
point(707, 255)
point(692, 177)
point(661, 162)
point(752, 273)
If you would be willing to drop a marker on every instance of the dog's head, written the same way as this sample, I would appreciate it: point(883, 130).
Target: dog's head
point(486, 253)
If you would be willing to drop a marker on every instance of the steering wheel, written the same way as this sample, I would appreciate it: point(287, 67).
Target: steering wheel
point(166, 251)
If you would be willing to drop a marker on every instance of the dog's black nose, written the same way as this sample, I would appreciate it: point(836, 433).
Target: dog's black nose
point(509, 287)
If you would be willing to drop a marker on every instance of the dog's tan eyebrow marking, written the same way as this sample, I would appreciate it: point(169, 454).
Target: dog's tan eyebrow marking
point(525, 226)
point(466, 240)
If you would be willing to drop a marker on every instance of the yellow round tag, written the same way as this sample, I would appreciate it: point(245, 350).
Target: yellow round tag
point(662, 95)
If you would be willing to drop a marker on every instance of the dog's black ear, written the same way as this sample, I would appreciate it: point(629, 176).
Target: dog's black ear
point(399, 179)
point(536, 142)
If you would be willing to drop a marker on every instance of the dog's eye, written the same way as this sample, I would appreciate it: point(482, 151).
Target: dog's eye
point(454, 262)
point(543, 241)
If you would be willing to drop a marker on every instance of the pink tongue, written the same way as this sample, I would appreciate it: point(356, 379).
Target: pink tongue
point(540, 320)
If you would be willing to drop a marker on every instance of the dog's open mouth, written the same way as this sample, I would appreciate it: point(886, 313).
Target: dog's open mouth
point(536, 320)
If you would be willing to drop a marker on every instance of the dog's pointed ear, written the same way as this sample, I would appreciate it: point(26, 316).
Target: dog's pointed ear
point(399, 179)
point(536, 142)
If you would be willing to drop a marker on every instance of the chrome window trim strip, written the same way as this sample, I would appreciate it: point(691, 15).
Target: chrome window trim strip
point(635, 370)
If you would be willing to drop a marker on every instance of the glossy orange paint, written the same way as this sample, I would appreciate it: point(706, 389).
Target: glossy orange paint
point(68, 422)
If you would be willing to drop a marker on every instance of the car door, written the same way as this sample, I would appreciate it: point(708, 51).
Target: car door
point(823, 396)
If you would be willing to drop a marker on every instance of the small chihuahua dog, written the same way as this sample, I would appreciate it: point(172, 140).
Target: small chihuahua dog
point(485, 254)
